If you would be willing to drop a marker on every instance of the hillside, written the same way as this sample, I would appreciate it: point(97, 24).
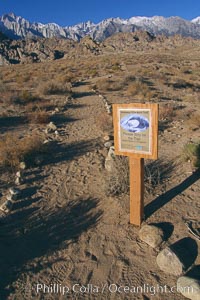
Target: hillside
point(42, 49)
point(68, 222)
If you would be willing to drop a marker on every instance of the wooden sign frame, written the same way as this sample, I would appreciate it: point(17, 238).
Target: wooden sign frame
point(148, 116)
point(136, 136)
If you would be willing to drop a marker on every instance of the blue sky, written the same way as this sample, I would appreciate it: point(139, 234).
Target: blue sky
point(70, 12)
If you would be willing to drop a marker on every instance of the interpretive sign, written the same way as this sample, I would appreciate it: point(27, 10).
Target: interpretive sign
point(136, 136)
point(135, 130)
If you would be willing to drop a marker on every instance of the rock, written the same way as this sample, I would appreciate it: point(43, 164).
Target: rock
point(108, 144)
point(107, 138)
point(51, 127)
point(169, 262)
point(14, 191)
point(22, 165)
point(19, 174)
point(6, 206)
point(151, 235)
point(109, 111)
point(109, 161)
point(111, 152)
point(189, 287)
point(108, 106)
point(46, 142)
point(18, 181)
point(10, 197)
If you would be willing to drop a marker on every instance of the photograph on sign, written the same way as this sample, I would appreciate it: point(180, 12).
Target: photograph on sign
point(135, 130)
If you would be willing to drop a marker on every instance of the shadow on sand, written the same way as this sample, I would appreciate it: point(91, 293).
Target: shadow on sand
point(58, 152)
point(11, 122)
point(169, 195)
point(31, 234)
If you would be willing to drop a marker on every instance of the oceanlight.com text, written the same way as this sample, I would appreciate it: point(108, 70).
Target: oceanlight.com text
point(109, 288)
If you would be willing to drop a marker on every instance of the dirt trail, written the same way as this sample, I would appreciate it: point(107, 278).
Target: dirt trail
point(71, 233)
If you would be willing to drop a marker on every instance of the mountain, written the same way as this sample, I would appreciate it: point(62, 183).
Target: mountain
point(167, 26)
point(19, 28)
point(3, 37)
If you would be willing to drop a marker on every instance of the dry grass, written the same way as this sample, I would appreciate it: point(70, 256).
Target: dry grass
point(38, 117)
point(21, 80)
point(194, 121)
point(117, 181)
point(155, 175)
point(25, 97)
point(14, 149)
point(54, 88)
point(106, 85)
point(140, 90)
point(191, 153)
point(104, 121)
point(167, 112)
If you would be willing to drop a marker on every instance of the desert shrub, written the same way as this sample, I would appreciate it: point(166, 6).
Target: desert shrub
point(167, 112)
point(117, 181)
point(54, 88)
point(104, 122)
point(130, 78)
point(3, 87)
point(182, 84)
point(116, 67)
point(25, 97)
point(140, 89)
point(194, 121)
point(66, 77)
point(14, 149)
point(21, 79)
point(191, 152)
point(155, 174)
point(191, 97)
point(38, 117)
point(93, 72)
point(103, 84)
point(135, 88)
point(106, 84)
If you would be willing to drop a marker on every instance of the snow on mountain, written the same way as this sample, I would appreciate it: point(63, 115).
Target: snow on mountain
point(196, 20)
point(19, 28)
point(168, 26)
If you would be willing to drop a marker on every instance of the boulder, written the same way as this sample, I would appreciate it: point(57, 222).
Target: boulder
point(151, 235)
point(189, 287)
point(169, 262)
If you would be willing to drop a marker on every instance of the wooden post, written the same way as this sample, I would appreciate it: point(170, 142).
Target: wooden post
point(136, 190)
point(136, 136)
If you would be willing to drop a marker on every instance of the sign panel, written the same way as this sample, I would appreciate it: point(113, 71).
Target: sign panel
point(136, 130)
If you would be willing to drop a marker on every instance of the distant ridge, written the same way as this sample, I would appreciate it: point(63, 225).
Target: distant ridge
point(17, 27)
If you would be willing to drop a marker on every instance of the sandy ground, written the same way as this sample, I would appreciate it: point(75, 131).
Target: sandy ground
point(66, 236)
